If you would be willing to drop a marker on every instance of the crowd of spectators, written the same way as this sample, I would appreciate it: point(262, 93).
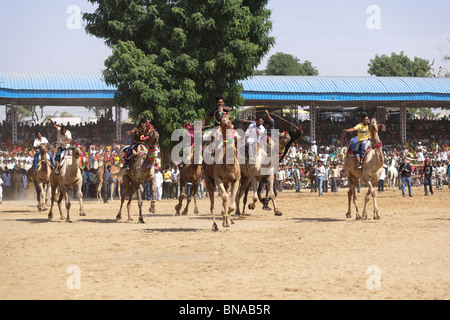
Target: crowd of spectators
point(100, 146)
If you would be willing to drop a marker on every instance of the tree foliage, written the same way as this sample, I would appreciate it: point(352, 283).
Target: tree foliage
point(288, 65)
point(170, 59)
point(399, 65)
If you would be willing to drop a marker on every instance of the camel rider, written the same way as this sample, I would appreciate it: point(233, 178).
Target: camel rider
point(141, 133)
point(363, 139)
point(63, 141)
point(253, 135)
point(40, 140)
point(220, 103)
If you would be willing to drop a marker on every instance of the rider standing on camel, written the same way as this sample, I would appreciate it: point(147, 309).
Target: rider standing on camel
point(140, 135)
point(63, 141)
point(363, 139)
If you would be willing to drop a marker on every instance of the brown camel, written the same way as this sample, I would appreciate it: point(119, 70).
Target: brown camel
point(190, 173)
point(142, 169)
point(41, 178)
point(69, 176)
point(116, 174)
point(225, 176)
point(369, 174)
point(253, 173)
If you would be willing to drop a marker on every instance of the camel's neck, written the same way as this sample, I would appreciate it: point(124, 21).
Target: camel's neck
point(72, 168)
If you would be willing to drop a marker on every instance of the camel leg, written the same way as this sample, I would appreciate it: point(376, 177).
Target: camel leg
point(153, 202)
point(122, 199)
point(225, 198)
point(210, 188)
point(349, 195)
point(132, 191)
point(47, 189)
point(138, 187)
point(195, 203)
point(252, 206)
point(60, 197)
point(272, 195)
point(194, 190)
point(181, 197)
point(375, 207)
point(38, 187)
point(80, 199)
point(234, 190)
point(242, 191)
point(52, 200)
point(99, 192)
point(367, 197)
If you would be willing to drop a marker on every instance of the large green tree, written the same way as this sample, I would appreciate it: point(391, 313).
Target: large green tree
point(284, 64)
point(170, 59)
point(399, 65)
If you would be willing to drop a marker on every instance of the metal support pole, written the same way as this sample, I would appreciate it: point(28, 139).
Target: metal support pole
point(118, 123)
point(15, 122)
point(312, 120)
point(403, 122)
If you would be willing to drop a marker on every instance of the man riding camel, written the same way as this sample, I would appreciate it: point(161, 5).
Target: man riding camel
point(141, 133)
point(63, 141)
point(40, 140)
point(363, 139)
point(220, 103)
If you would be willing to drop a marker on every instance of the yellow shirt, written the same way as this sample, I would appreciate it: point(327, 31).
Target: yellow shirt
point(363, 132)
point(166, 176)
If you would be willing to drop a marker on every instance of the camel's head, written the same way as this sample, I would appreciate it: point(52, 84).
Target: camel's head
point(77, 152)
point(284, 138)
point(225, 122)
point(43, 149)
point(154, 138)
point(373, 126)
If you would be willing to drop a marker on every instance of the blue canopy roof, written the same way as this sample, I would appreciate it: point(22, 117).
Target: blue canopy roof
point(91, 89)
point(55, 89)
point(320, 88)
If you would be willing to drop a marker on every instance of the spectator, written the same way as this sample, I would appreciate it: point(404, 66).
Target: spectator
point(158, 181)
point(426, 175)
point(320, 172)
point(405, 169)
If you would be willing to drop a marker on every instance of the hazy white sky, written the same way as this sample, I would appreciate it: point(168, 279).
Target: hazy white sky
point(333, 35)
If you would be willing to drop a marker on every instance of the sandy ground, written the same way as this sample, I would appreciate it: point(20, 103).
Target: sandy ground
point(311, 252)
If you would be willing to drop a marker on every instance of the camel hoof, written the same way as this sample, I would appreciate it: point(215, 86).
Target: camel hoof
point(196, 211)
point(62, 218)
point(68, 221)
point(118, 217)
point(251, 206)
point(141, 221)
point(278, 213)
point(214, 227)
point(50, 216)
point(177, 214)
point(82, 214)
point(130, 219)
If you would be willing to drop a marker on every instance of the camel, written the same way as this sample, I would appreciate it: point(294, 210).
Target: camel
point(41, 178)
point(252, 173)
point(69, 176)
point(190, 173)
point(369, 174)
point(116, 173)
point(392, 175)
point(142, 169)
point(225, 176)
